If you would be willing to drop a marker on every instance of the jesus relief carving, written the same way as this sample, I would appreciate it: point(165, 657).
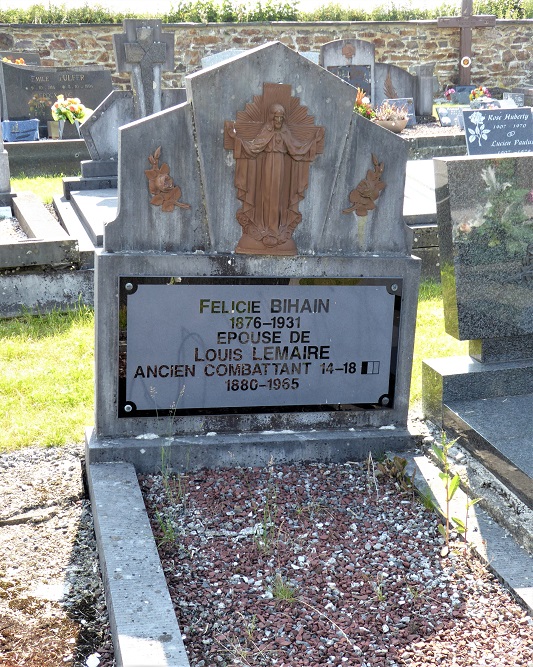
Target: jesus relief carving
point(274, 141)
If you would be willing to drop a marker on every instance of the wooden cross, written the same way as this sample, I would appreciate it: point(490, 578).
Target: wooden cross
point(466, 22)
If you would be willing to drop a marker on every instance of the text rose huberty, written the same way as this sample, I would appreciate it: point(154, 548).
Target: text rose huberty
point(70, 109)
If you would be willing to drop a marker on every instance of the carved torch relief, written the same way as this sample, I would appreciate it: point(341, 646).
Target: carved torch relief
point(274, 141)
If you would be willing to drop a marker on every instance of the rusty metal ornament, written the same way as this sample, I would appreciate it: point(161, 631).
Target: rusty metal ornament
point(161, 185)
point(364, 196)
point(348, 51)
point(274, 140)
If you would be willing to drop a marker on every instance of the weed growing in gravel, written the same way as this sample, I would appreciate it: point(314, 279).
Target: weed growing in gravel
point(395, 469)
point(282, 589)
point(451, 483)
point(173, 484)
point(166, 526)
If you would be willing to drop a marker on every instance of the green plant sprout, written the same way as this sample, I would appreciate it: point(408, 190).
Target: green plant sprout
point(283, 590)
point(451, 484)
point(166, 526)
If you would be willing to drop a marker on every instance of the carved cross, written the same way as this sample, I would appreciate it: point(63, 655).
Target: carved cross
point(144, 50)
point(466, 22)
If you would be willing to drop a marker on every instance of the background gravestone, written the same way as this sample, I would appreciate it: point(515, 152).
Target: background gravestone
point(29, 91)
point(173, 245)
point(485, 215)
point(144, 51)
point(490, 131)
point(352, 60)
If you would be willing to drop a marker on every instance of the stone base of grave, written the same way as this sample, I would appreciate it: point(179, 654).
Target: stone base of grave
point(247, 449)
point(494, 420)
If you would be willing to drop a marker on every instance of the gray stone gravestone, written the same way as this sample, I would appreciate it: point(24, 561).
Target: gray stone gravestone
point(217, 343)
point(144, 51)
point(490, 131)
point(352, 60)
point(29, 91)
point(485, 215)
point(393, 82)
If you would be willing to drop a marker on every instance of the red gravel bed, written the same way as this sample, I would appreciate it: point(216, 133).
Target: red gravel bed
point(323, 565)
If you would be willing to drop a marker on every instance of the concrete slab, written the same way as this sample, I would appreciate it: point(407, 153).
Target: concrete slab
point(42, 292)
point(95, 208)
point(143, 623)
point(246, 449)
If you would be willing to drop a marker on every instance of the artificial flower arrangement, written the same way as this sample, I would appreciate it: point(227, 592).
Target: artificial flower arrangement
point(448, 93)
point(70, 109)
point(363, 106)
point(17, 61)
point(478, 92)
point(388, 111)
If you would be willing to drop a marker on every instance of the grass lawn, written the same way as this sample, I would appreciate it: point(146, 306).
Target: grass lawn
point(46, 384)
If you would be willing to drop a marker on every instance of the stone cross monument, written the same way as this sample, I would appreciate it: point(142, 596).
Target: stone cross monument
point(145, 51)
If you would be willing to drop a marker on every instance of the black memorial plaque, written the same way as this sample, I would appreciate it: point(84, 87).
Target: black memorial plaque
point(250, 345)
point(490, 131)
point(29, 92)
point(358, 76)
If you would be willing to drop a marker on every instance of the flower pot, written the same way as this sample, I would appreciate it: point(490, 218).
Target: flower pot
point(69, 130)
point(53, 129)
point(393, 125)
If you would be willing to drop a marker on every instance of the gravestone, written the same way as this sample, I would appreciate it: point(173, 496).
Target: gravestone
point(216, 58)
point(29, 91)
point(144, 51)
point(353, 60)
point(485, 215)
point(462, 94)
point(28, 57)
point(451, 117)
point(256, 239)
point(490, 131)
point(518, 98)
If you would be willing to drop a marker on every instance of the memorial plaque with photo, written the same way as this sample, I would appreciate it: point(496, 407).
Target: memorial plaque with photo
point(358, 76)
point(241, 345)
point(29, 92)
point(491, 131)
point(451, 117)
point(518, 98)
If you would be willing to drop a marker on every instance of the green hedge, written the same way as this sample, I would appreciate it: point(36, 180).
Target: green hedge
point(230, 11)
